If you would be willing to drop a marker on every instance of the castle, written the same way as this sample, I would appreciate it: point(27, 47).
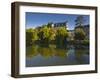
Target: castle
point(71, 32)
point(60, 24)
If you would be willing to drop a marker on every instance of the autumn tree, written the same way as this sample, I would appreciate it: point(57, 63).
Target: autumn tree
point(79, 34)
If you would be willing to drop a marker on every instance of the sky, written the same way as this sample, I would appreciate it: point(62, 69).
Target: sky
point(38, 19)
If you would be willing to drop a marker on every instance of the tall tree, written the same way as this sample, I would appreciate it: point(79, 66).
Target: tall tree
point(49, 25)
point(61, 35)
point(79, 34)
point(31, 36)
point(80, 21)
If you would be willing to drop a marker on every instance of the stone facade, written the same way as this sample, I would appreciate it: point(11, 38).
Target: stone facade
point(60, 24)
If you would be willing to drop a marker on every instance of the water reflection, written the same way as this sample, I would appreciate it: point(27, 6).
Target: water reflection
point(51, 55)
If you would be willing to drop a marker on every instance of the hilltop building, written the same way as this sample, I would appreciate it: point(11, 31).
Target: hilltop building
point(71, 32)
point(60, 24)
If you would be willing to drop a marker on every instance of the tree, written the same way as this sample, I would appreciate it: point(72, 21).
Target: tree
point(35, 35)
point(52, 34)
point(80, 21)
point(46, 34)
point(61, 35)
point(49, 25)
point(79, 34)
point(31, 36)
point(40, 34)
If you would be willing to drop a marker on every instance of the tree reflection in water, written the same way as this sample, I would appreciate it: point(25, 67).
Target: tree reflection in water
point(45, 51)
point(43, 55)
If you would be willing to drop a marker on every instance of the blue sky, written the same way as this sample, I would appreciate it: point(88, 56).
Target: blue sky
point(38, 19)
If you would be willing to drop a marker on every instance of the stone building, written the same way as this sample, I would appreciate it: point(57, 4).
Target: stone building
point(60, 24)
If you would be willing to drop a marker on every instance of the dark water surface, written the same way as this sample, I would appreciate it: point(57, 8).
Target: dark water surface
point(51, 55)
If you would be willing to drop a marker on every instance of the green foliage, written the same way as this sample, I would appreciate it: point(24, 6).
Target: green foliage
point(86, 42)
point(49, 25)
point(35, 35)
point(40, 34)
point(45, 52)
point(79, 34)
point(46, 34)
point(31, 36)
point(52, 33)
point(62, 32)
point(61, 35)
